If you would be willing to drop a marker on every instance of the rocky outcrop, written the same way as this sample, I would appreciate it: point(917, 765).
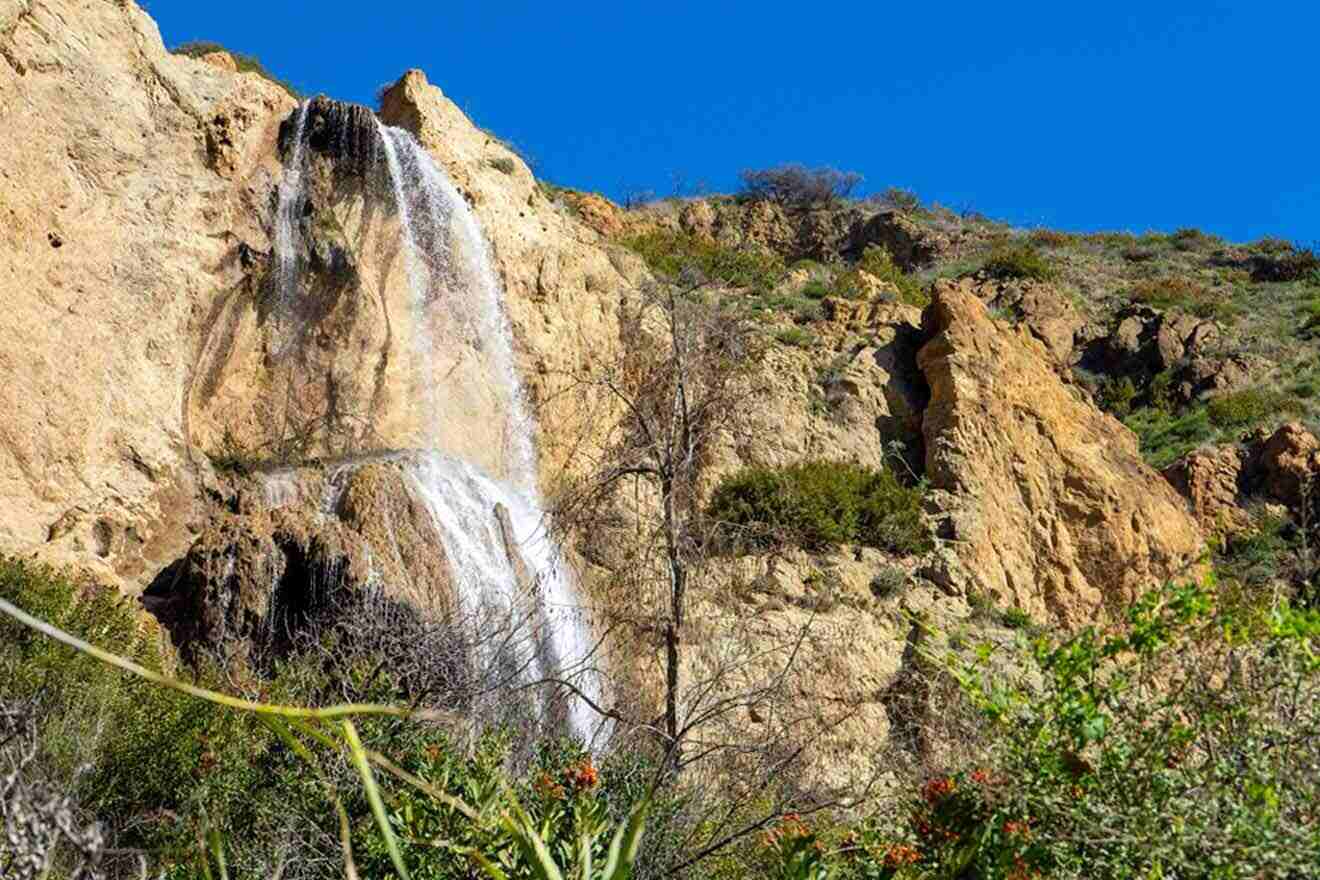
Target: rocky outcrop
point(300, 542)
point(912, 245)
point(1042, 501)
point(1048, 314)
point(1280, 466)
point(250, 582)
point(1290, 465)
point(1211, 479)
point(133, 190)
point(825, 234)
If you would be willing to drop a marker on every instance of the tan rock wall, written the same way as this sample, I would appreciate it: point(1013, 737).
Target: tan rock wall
point(1042, 499)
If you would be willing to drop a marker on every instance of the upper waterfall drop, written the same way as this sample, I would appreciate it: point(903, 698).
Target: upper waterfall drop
point(287, 210)
point(485, 501)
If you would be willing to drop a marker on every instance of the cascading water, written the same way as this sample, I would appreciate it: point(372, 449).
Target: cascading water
point(286, 212)
point(457, 299)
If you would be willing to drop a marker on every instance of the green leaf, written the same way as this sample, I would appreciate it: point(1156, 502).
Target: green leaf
point(519, 825)
point(373, 797)
point(623, 849)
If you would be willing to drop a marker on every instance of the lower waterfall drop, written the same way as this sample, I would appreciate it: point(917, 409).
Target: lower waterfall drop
point(449, 265)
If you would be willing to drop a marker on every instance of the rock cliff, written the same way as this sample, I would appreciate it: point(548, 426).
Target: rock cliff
point(176, 415)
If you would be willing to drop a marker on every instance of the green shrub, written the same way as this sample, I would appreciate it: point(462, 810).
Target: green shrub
point(815, 289)
point(1166, 437)
point(801, 309)
point(1090, 769)
point(818, 504)
point(1051, 238)
point(1018, 262)
point(876, 260)
point(1170, 292)
point(504, 165)
point(1310, 313)
point(797, 337)
point(1249, 407)
point(244, 63)
point(1189, 239)
point(1116, 396)
point(1290, 265)
point(900, 199)
point(672, 253)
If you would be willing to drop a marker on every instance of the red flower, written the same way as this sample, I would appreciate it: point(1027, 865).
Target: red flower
point(937, 790)
point(981, 777)
point(582, 776)
point(898, 855)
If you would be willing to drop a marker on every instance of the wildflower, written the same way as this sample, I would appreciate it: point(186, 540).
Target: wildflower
point(981, 777)
point(1011, 827)
point(937, 790)
point(546, 787)
point(583, 775)
point(899, 855)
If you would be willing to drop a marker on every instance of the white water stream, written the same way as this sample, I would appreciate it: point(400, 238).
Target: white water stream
point(449, 268)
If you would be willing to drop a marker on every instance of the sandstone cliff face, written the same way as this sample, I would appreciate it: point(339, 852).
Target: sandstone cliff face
point(1042, 501)
point(128, 180)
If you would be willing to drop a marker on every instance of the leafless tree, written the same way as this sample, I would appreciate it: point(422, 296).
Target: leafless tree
point(796, 186)
point(675, 398)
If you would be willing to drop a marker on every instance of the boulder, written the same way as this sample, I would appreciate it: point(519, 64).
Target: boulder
point(1290, 464)
point(1042, 500)
point(912, 245)
point(1211, 479)
point(1042, 308)
point(251, 581)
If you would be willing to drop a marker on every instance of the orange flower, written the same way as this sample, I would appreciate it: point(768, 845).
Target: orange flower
point(937, 790)
point(547, 787)
point(981, 777)
point(899, 855)
point(1011, 827)
point(583, 775)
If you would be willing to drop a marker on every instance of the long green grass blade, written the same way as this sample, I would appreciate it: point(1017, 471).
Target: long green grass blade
point(584, 855)
point(220, 699)
point(623, 848)
point(392, 769)
point(346, 842)
point(520, 827)
point(218, 850)
point(492, 870)
point(373, 797)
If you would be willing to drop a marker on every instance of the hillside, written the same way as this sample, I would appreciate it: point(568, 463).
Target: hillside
point(840, 532)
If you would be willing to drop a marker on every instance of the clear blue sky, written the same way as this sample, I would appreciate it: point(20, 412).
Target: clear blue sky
point(1109, 115)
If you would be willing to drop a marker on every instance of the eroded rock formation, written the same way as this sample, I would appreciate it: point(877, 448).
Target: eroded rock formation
point(1043, 502)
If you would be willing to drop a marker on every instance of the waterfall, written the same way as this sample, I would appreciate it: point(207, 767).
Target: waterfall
point(493, 526)
point(291, 199)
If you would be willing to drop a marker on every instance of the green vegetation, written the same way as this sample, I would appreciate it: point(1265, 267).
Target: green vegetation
point(1166, 437)
point(801, 309)
point(815, 289)
point(900, 199)
point(167, 769)
point(672, 253)
point(796, 336)
point(244, 63)
point(1018, 262)
point(876, 260)
point(1088, 771)
point(1074, 762)
point(504, 165)
point(1249, 407)
point(1189, 239)
point(819, 504)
